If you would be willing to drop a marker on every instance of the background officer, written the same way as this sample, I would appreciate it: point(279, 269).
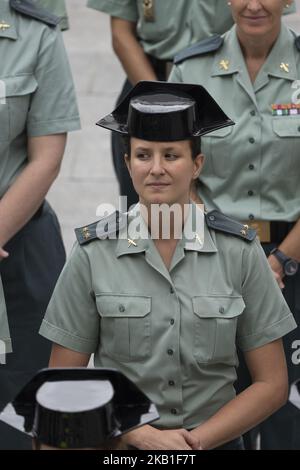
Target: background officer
point(252, 169)
point(38, 109)
point(146, 36)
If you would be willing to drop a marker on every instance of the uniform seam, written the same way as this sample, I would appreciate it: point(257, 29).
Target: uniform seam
point(265, 329)
point(67, 333)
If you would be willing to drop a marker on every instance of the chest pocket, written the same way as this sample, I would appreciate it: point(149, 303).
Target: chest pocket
point(216, 148)
point(15, 96)
point(125, 326)
point(286, 151)
point(215, 325)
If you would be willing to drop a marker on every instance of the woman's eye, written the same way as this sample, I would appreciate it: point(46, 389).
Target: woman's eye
point(171, 156)
point(142, 156)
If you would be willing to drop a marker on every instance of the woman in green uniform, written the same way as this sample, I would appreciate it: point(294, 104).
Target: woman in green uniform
point(165, 300)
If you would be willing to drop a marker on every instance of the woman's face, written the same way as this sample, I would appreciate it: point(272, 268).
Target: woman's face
point(162, 172)
point(258, 17)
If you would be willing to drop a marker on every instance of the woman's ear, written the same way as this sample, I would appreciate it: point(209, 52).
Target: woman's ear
point(127, 162)
point(198, 164)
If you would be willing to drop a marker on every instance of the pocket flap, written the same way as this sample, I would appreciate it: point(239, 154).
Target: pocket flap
point(215, 306)
point(114, 305)
point(19, 85)
point(225, 131)
point(287, 126)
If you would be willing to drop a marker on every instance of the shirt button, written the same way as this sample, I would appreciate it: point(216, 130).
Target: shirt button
point(170, 352)
point(172, 321)
point(211, 217)
point(252, 113)
point(251, 167)
point(250, 192)
point(221, 309)
point(121, 308)
point(171, 290)
point(174, 411)
point(252, 140)
point(251, 217)
point(171, 383)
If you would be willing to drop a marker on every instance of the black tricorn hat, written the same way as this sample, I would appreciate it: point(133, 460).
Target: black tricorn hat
point(78, 407)
point(163, 111)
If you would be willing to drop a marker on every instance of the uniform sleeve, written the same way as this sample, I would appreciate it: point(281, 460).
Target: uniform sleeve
point(175, 75)
point(53, 108)
point(267, 316)
point(125, 9)
point(5, 341)
point(72, 319)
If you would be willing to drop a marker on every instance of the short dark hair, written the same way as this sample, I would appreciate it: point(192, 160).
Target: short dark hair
point(195, 146)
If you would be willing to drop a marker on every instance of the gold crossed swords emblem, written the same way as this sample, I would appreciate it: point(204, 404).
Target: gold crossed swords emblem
point(4, 26)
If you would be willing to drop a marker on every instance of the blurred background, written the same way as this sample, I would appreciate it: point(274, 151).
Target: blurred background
point(87, 178)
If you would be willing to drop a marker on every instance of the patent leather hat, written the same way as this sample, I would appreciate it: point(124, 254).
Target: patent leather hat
point(78, 408)
point(162, 111)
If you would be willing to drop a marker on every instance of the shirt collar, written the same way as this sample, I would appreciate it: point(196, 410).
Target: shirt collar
point(280, 62)
point(135, 237)
point(8, 30)
point(229, 57)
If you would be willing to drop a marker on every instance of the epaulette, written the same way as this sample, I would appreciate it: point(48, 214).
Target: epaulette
point(28, 8)
point(221, 223)
point(297, 43)
point(107, 227)
point(210, 44)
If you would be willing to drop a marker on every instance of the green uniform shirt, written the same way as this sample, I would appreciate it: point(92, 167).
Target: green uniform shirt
point(58, 8)
point(37, 94)
point(176, 23)
point(163, 38)
point(252, 168)
point(5, 341)
point(173, 333)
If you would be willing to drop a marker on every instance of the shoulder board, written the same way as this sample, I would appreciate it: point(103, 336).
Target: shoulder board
point(107, 227)
point(221, 223)
point(28, 8)
point(297, 43)
point(210, 44)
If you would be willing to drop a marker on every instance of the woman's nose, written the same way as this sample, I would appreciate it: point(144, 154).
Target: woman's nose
point(157, 167)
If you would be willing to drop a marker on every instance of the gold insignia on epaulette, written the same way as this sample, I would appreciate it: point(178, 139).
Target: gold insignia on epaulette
point(244, 230)
point(86, 233)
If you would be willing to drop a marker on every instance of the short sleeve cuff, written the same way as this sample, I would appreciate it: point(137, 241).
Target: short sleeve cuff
point(57, 126)
point(115, 8)
point(267, 335)
point(67, 339)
